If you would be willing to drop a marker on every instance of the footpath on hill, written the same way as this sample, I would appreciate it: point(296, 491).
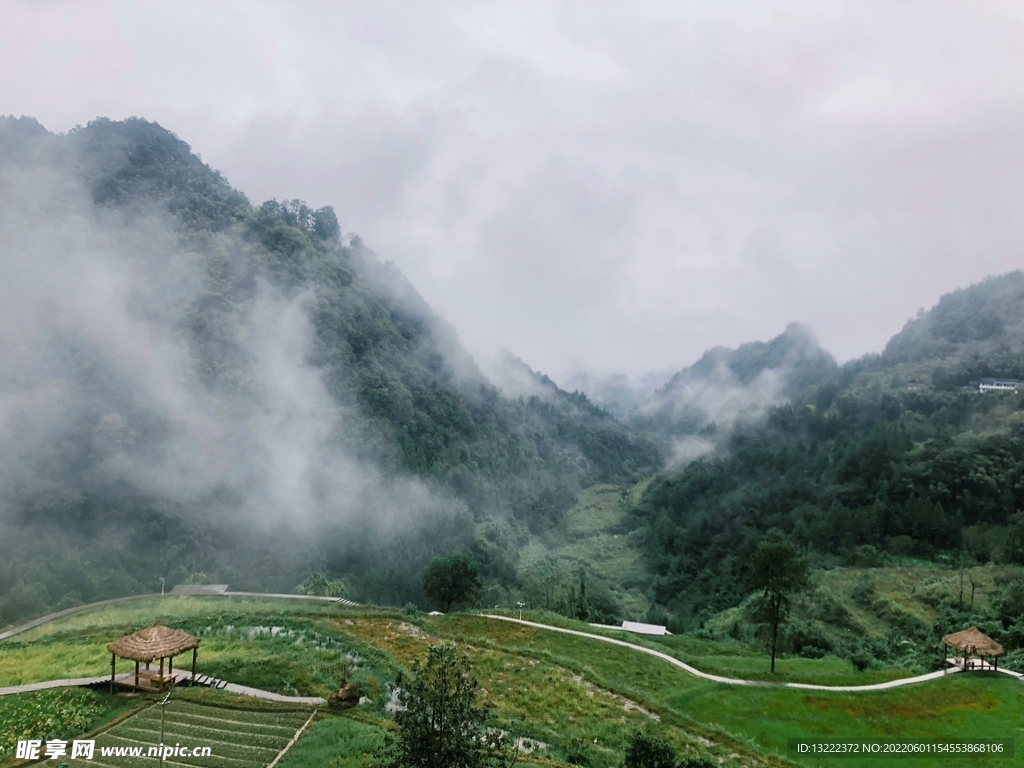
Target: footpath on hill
point(736, 681)
point(601, 638)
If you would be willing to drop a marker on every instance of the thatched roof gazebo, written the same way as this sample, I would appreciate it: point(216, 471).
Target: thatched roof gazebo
point(146, 645)
point(974, 642)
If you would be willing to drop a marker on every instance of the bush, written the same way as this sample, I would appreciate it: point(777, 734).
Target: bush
point(645, 751)
point(861, 658)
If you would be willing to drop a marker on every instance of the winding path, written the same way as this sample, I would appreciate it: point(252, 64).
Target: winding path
point(736, 681)
point(601, 638)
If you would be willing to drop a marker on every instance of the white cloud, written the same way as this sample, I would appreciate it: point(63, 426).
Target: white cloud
point(610, 188)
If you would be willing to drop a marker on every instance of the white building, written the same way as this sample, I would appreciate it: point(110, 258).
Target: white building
point(998, 385)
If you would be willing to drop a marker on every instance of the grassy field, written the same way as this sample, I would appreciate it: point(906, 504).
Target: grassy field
point(563, 692)
point(288, 647)
point(589, 538)
point(334, 742)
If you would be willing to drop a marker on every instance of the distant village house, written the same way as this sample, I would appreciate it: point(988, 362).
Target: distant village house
point(994, 385)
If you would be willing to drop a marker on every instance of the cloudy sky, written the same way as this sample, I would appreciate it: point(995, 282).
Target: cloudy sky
point(594, 186)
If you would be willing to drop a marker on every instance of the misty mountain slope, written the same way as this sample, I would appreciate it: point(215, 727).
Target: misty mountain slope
point(972, 333)
point(240, 388)
point(861, 467)
point(729, 385)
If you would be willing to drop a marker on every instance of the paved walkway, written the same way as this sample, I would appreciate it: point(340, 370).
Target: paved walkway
point(89, 606)
point(67, 612)
point(241, 690)
point(733, 680)
point(74, 682)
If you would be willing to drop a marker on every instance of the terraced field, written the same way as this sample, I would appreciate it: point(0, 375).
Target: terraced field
point(235, 737)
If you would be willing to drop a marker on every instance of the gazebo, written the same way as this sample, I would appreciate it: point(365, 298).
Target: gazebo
point(973, 642)
point(146, 645)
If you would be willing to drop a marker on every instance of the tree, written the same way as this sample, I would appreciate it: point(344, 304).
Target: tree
point(776, 570)
point(439, 722)
point(319, 585)
point(450, 580)
point(582, 605)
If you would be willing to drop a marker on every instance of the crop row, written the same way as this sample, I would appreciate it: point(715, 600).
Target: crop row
point(256, 713)
point(221, 724)
point(225, 746)
point(238, 717)
point(181, 732)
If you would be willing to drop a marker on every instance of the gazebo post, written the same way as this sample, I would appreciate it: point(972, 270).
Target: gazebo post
point(170, 669)
point(136, 673)
point(161, 673)
point(113, 668)
point(192, 683)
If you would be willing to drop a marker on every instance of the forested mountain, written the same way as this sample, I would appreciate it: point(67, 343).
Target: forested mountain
point(889, 456)
point(192, 383)
point(727, 386)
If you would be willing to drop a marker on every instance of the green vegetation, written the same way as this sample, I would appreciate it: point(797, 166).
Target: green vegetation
point(334, 742)
point(319, 585)
point(251, 736)
point(560, 692)
point(888, 460)
point(450, 580)
point(414, 403)
point(440, 723)
point(276, 646)
point(591, 540)
point(776, 571)
point(902, 490)
point(58, 713)
point(645, 751)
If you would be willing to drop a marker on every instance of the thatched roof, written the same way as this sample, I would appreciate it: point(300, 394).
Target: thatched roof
point(154, 642)
point(973, 641)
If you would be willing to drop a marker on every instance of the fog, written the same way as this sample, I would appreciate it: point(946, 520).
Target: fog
point(697, 409)
point(103, 386)
point(599, 190)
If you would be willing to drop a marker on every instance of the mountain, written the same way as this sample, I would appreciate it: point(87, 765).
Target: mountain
point(193, 384)
point(617, 393)
point(972, 333)
point(887, 457)
point(700, 403)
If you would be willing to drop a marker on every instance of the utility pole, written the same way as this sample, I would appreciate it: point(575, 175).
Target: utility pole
point(162, 580)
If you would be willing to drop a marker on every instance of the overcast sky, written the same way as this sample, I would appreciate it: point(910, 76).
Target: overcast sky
point(595, 186)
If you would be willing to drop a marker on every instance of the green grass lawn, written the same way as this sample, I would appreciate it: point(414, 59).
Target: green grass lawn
point(978, 706)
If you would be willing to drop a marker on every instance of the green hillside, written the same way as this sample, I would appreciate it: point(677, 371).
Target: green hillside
point(571, 698)
point(382, 417)
point(890, 460)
